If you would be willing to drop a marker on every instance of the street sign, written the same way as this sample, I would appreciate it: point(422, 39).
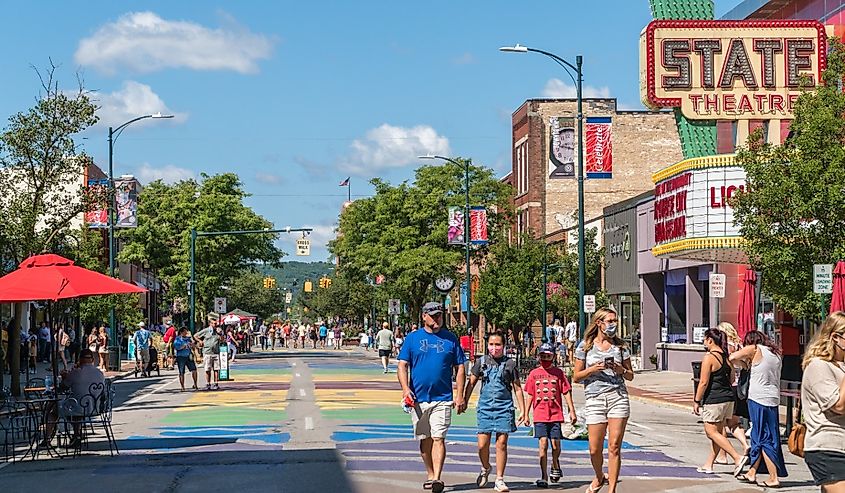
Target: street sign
point(698, 333)
point(220, 305)
point(823, 278)
point(589, 303)
point(717, 285)
point(223, 355)
point(303, 247)
point(393, 307)
point(288, 297)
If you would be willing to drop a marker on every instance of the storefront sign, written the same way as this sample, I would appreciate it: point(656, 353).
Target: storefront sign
point(622, 249)
point(730, 69)
point(823, 278)
point(599, 153)
point(670, 207)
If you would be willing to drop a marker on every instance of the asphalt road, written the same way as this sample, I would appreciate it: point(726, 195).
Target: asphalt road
point(331, 421)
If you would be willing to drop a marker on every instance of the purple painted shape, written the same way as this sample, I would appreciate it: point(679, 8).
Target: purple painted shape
point(357, 385)
point(565, 458)
point(519, 470)
point(265, 386)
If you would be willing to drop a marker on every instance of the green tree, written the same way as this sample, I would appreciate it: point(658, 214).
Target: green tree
point(42, 171)
point(166, 214)
point(400, 232)
point(792, 212)
point(247, 292)
point(565, 302)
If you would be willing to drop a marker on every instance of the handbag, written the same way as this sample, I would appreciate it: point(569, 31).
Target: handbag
point(795, 442)
point(743, 384)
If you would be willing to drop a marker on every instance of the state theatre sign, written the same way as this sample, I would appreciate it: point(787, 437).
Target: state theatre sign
point(730, 70)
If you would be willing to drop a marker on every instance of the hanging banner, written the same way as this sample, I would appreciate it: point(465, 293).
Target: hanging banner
point(455, 233)
point(561, 147)
point(126, 202)
point(97, 215)
point(598, 160)
point(478, 225)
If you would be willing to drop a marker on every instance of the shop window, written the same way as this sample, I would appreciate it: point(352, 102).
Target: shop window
point(726, 136)
point(676, 305)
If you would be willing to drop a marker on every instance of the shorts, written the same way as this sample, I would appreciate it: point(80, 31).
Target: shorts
point(716, 413)
point(143, 355)
point(323, 338)
point(168, 349)
point(384, 352)
point(826, 466)
point(431, 419)
point(548, 430)
point(613, 404)
point(211, 362)
point(185, 361)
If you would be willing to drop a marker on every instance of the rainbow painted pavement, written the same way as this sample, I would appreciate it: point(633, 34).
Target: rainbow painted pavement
point(246, 414)
point(375, 435)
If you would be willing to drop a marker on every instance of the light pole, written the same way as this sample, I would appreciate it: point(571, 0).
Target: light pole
point(114, 133)
point(577, 79)
point(466, 165)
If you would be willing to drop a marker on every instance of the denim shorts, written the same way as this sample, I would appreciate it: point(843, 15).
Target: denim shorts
point(548, 430)
point(185, 361)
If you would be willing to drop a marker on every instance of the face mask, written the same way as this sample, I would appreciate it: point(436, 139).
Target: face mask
point(546, 363)
point(610, 330)
point(495, 351)
point(836, 343)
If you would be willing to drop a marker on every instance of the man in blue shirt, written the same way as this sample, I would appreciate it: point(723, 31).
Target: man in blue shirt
point(426, 362)
point(142, 347)
point(324, 332)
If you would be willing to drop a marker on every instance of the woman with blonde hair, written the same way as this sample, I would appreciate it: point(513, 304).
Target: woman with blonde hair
point(603, 364)
point(733, 425)
point(823, 404)
point(104, 349)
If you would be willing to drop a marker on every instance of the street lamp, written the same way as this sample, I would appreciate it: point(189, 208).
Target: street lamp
point(114, 133)
point(577, 79)
point(465, 164)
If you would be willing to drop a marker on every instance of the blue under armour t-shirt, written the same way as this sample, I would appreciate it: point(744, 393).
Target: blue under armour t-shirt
point(431, 358)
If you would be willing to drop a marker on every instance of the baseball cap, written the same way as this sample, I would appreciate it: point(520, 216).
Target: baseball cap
point(432, 307)
point(546, 348)
point(141, 324)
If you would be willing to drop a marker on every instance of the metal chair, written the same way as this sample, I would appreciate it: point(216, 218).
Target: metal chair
point(96, 410)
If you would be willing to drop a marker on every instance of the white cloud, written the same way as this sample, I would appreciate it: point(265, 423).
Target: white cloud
point(556, 88)
point(466, 58)
point(168, 173)
point(144, 42)
point(388, 147)
point(268, 178)
point(132, 100)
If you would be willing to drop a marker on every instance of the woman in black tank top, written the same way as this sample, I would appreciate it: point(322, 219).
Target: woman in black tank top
point(714, 399)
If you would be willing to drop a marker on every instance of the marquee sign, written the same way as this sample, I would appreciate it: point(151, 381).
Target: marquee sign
point(730, 69)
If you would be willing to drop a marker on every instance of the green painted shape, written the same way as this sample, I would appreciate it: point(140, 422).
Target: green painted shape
point(224, 416)
point(258, 371)
point(346, 371)
point(698, 137)
point(389, 415)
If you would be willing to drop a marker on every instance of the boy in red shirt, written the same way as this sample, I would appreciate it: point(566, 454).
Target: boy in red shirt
point(547, 385)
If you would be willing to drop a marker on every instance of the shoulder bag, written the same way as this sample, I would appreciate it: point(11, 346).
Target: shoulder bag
point(795, 442)
point(743, 385)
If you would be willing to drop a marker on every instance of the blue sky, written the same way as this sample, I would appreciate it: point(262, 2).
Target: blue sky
point(296, 96)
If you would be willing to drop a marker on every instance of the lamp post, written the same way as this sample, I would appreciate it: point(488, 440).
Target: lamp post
point(577, 79)
point(114, 133)
point(466, 165)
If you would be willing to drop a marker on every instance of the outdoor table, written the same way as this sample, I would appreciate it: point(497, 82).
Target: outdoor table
point(36, 417)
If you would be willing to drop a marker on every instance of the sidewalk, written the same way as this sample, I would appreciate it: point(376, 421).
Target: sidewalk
point(665, 388)
point(44, 369)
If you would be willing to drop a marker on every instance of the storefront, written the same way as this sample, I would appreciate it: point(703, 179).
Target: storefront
point(724, 80)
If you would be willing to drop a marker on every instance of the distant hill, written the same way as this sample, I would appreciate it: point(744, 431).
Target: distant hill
point(293, 274)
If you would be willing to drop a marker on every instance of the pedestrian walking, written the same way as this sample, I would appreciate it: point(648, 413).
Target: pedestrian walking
point(312, 336)
point(571, 333)
point(32, 340)
point(603, 364)
point(384, 343)
point(324, 334)
point(823, 403)
point(209, 339)
point(231, 343)
point(426, 363)
point(104, 349)
point(763, 358)
point(142, 337)
point(63, 341)
point(733, 425)
point(302, 331)
point(262, 336)
point(183, 346)
point(548, 386)
point(286, 332)
point(714, 400)
point(272, 335)
point(499, 382)
point(74, 346)
point(169, 338)
point(338, 337)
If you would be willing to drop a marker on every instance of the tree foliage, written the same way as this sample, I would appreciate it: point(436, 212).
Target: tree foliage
point(792, 213)
point(247, 292)
point(400, 232)
point(42, 171)
point(166, 214)
point(346, 298)
point(565, 302)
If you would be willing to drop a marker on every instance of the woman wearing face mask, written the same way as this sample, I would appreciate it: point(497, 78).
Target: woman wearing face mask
point(823, 403)
point(603, 364)
point(714, 399)
point(499, 381)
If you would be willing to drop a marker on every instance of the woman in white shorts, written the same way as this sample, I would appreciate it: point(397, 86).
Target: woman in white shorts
point(603, 364)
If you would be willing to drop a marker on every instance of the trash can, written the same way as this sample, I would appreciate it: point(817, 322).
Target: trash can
point(696, 375)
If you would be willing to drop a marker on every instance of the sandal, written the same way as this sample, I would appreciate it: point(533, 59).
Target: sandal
point(595, 489)
point(437, 486)
point(743, 478)
point(541, 483)
point(427, 484)
point(704, 470)
point(555, 475)
point(764, 484)
point(739, 465)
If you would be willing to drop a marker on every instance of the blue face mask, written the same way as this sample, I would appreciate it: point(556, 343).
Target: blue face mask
point(610, 330)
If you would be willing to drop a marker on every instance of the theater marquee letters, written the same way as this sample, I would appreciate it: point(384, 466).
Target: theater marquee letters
point(730, 69)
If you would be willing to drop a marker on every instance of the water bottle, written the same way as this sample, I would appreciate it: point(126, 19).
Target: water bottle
point(48, 383)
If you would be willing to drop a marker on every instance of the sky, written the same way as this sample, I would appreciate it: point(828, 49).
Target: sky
point(295, 97)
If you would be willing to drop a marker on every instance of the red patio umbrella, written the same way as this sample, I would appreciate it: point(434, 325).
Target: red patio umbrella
point(837, 299)
point(747, 316)
point(52, 277)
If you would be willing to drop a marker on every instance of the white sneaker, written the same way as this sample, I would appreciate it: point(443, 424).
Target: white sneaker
point(481, 480)
point(500, 485)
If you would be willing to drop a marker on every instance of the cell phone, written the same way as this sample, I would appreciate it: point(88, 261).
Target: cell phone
point(609, 361)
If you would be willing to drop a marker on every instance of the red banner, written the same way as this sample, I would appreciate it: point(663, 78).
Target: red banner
point(478, 225)
point(599, 152)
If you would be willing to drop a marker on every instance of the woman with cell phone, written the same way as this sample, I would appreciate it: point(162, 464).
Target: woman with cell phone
point(603, 364)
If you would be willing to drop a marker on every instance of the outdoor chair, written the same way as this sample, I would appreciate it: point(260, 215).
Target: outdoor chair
point(11, 424)
point(95, 409)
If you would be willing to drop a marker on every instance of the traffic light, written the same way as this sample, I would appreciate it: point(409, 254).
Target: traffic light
point(325, 282)
point(307, 287)
point(328, 282)
point(266, 283)
point(272, 282)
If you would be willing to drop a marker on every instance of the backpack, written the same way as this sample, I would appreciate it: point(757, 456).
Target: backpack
point(64, 340)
